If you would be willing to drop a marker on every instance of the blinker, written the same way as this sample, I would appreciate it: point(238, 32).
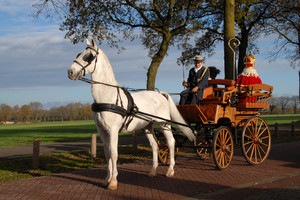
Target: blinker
point(89, 57)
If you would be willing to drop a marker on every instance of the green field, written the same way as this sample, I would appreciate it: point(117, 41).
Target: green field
point(281, 119)
point(48, 132)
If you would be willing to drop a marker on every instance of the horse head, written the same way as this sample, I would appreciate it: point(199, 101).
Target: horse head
point(85, 62)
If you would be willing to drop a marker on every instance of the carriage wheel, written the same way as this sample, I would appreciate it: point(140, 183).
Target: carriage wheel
point(256, 140)
point(163, 150)
point(222, 147)
point(205, 152)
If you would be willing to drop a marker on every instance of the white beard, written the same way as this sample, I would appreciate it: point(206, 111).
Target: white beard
point(249, 71)
point(197, 69)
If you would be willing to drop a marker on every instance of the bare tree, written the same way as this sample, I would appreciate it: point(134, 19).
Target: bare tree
point(285, 22)
point(36, 108)
point(273, 105)
point(295, 102)
point(284, 103)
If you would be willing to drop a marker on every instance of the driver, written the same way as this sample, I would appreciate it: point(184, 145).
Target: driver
point(197, 81)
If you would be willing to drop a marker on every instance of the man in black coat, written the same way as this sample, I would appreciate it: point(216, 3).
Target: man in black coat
point(197, 81)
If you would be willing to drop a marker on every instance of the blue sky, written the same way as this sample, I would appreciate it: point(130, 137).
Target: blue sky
point(35, 58)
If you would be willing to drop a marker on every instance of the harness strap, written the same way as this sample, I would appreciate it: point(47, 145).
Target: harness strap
point(98, 107)
point(127, 113)
point(167, 120)
point(130, 105)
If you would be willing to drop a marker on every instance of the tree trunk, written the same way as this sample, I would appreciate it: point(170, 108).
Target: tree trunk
point(229, 32)
point(156, 61)
point(242, 50)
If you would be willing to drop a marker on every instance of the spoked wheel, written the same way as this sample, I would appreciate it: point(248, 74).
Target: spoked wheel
point(163, 150)
point(205, 152)
point(256, 140)
point(222, 147)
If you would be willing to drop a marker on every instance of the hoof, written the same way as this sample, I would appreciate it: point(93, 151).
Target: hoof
point(152, 173)
point(170, 173)
point(113, 185)
point(106, 182)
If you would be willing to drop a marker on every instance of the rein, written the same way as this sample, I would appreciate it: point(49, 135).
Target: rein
point(115, 86)
point(97, 82)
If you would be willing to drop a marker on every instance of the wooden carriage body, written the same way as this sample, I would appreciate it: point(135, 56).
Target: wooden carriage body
point(225, 102)
point(227, 114)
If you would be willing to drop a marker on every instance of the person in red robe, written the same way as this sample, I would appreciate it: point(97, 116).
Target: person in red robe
point(249, 76)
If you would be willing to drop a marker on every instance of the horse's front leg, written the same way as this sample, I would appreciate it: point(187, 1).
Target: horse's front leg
point(113, 146)
point(171, 145)
point(153, 143)
point(105, 140)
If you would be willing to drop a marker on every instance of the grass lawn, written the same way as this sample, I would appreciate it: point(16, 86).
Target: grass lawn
point(47, 132)
point(281, 119)
point(17, 169)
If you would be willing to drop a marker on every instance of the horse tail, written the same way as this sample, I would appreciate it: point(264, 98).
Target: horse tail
point(176, 117)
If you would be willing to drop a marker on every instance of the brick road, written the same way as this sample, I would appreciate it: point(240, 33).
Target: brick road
point(277, 178)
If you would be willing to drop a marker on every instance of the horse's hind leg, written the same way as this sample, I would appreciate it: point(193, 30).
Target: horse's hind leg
point(150, 135)
point(171, 145)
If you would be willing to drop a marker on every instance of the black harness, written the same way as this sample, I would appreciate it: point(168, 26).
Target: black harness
point(127, 113)
point(131, 107)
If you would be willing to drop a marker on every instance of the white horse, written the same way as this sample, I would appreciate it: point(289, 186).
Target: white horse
point(112, 111)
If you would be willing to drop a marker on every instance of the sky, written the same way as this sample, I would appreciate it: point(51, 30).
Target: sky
point(35, 57)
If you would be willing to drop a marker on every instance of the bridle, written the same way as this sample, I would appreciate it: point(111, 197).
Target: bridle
point(89, 60)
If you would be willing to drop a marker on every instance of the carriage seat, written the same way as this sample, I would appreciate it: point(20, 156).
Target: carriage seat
point(219, 87)
point(226, 83)
point(258, 96)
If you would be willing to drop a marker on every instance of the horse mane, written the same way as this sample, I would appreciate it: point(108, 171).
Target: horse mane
point(109, 73)
point(165, 95)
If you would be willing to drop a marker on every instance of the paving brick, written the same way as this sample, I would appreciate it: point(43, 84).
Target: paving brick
point(195, 178)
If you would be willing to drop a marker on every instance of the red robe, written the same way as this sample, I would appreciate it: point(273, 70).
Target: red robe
point(249, 76)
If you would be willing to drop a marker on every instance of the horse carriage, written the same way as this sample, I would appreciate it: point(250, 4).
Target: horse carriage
point(225, 117)
point(219, 120)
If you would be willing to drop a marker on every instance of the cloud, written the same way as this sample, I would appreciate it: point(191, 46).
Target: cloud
point(40, 59)
point(14, 7)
